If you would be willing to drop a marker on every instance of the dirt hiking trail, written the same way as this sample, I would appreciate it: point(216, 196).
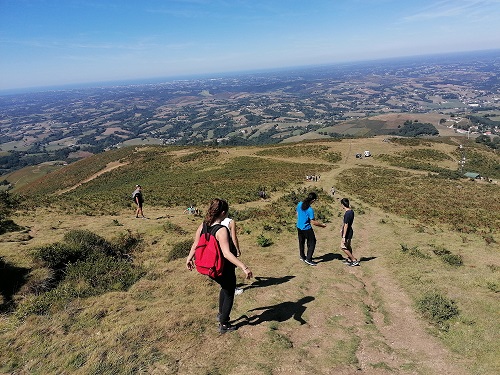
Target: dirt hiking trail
point(361, 309)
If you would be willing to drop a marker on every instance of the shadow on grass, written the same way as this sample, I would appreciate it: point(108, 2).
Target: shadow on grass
point(279, 313)
point(11, 280)
point(263, 281)
point(9, 226)
point(328, 257)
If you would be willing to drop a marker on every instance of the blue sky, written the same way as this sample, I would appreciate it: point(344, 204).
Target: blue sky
point(56, 42)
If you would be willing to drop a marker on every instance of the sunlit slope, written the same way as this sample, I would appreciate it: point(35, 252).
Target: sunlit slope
point(420, 229)
point(422, 173)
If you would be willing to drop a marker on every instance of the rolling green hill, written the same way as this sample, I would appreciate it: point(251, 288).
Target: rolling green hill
point(89, 289)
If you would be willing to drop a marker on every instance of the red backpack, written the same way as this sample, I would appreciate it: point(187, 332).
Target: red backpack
point(208, 256)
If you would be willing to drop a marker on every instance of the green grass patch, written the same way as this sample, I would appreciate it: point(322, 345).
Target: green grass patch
point(82, 265)
point(180, 250)
point(437, 309)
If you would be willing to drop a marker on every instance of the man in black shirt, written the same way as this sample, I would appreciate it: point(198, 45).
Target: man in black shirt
point(347, 233)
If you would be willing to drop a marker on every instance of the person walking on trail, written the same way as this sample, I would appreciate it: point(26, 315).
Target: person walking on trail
point(305, 217)
point(139, 200)
point(217, 211)
point(231, 225)
point(347, 233)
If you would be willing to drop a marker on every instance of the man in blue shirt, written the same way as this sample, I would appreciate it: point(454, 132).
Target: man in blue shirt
point(305, 217)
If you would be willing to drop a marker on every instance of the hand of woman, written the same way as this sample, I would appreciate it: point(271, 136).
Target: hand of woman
point(248, 273)
point(190, 264)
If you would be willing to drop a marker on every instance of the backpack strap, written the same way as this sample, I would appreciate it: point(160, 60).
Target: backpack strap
point(212, 229)
point(215, 228)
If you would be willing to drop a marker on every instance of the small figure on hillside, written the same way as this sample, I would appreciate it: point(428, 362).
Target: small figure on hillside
point(347, 233)
point(305, 217)
point(231, 225)
point(332, 191)
point(139, 200)
point(216, 213)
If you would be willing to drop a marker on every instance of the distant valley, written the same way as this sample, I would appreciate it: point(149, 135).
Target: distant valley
point(422, 96)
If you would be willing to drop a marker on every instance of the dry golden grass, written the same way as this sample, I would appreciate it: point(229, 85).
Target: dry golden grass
point(294, 319)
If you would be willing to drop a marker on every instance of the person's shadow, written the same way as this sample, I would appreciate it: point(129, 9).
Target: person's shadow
point(328, 257)
point(280, 312)
point(264, 281)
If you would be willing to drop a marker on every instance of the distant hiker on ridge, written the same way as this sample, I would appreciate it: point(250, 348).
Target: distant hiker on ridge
point(139, 200)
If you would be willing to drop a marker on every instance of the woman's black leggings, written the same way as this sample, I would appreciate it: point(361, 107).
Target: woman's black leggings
point(227, 284)
point(311, 243)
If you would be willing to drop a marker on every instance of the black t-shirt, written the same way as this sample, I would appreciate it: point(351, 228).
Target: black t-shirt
point(139, 197)
point(348, 219)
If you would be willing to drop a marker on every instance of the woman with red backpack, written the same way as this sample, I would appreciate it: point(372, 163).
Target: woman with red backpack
point(217, 211)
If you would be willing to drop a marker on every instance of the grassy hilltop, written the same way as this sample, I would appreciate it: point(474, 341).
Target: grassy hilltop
point(89, 289)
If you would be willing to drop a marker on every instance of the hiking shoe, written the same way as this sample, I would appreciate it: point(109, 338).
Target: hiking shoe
point(353, 264)
point(302, 259)
point(223, 328)
point(310, 262)
point(346, 261)
point(238, 291)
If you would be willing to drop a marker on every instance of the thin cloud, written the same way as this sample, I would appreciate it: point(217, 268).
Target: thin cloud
point(455, 8)
point(81, 45)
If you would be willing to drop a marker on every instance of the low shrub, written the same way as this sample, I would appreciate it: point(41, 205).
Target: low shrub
point(493, 286)
point(447, 257)
point(180, 250)
point(271, 228)
point(248, 213)
point(57, 255)
point(263, 241)
point(88, 242)
point(440, 251)
point(324, 215)
point(84, 265)
point(452, 259)
point(101, 275)
point(414, 252)
point(437, 309)
point(126, 243)
point(170, 227)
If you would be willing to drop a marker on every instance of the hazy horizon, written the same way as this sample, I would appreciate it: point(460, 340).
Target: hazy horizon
point(216, 75)
point(76, 42)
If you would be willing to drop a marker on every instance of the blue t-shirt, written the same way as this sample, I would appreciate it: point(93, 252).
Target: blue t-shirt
point(304, 217)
